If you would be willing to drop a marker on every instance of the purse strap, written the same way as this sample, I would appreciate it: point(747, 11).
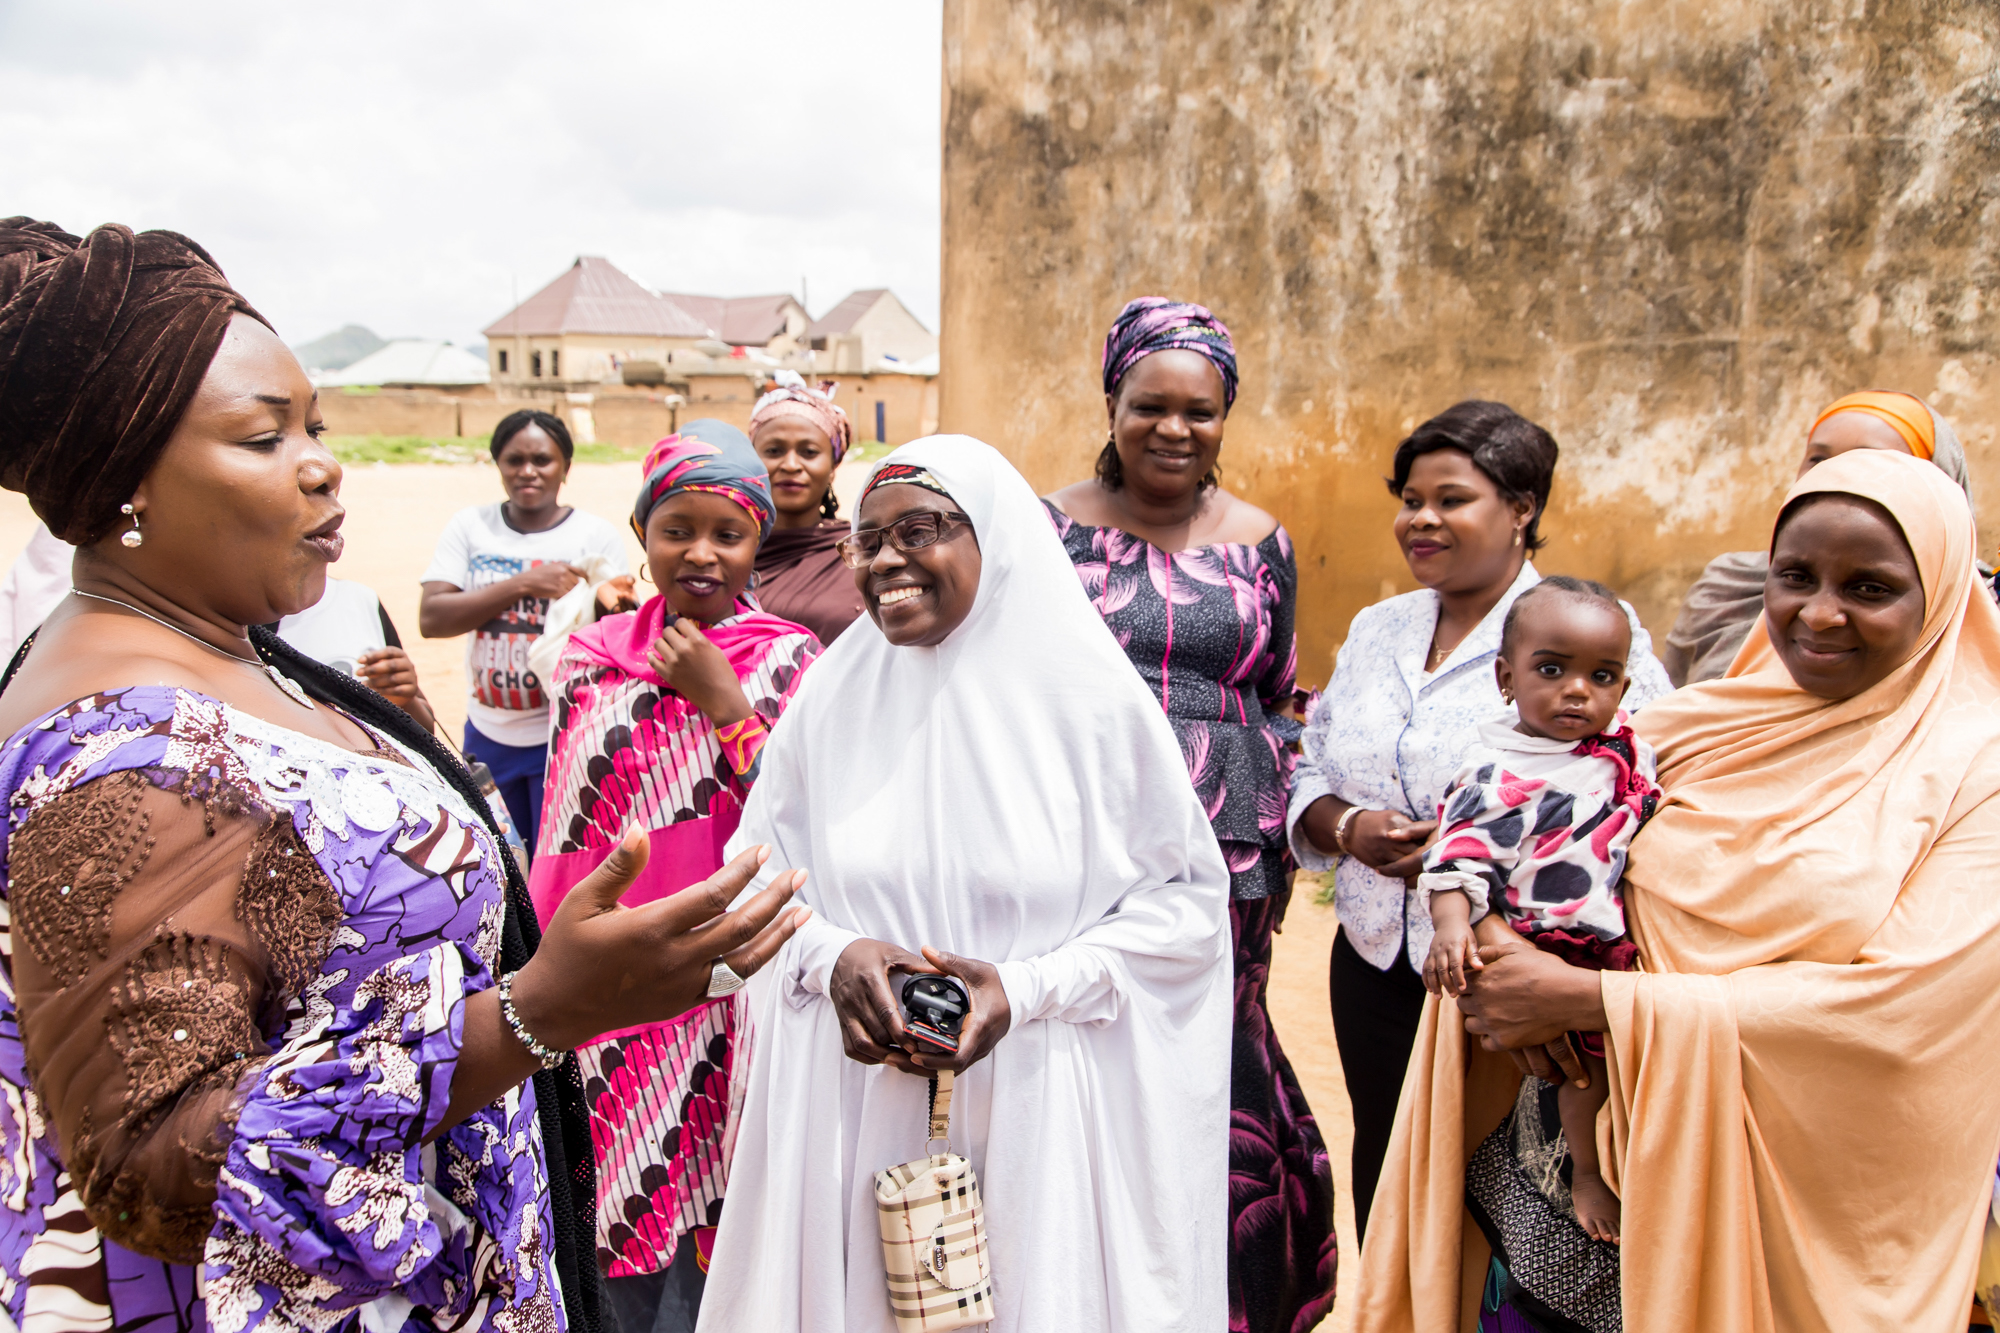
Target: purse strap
point(940, 1113)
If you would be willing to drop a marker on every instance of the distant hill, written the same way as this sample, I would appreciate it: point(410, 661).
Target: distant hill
point(339, 349)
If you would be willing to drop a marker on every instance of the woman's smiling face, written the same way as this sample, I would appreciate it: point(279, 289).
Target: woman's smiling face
point(1458, 533)
point(1166, 422)
point(701, 548)
point(1844, 602)
point(917, 597)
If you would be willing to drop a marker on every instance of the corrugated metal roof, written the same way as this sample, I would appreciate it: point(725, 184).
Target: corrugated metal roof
point(841, 318)
point(596, 296)
point(741, 321)
point(413, 361)
point(754, 319)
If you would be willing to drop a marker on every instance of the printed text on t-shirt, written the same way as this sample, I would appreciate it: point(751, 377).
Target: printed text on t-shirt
point(499, 661)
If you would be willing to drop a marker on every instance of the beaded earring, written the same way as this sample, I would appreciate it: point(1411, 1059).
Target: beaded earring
point(134, 538)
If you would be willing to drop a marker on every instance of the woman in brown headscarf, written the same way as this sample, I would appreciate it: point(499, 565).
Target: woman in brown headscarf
point(802, 436)
point(273, 1003)
point(1801, 1125)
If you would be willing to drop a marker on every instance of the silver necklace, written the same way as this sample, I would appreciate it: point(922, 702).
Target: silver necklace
point(284, 683)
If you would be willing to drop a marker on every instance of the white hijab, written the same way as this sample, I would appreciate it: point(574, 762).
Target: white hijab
point(1013, 794)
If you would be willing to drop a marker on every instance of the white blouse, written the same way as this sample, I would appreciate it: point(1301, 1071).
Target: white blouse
point(1387, 736)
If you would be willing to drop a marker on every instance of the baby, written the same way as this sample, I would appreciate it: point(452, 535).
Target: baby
point(1533, 830)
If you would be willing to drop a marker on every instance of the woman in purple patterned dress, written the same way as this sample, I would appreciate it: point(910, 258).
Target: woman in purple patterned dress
point(271, 1001)
point(1199, 588)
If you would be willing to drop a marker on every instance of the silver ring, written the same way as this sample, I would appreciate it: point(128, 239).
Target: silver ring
point(722, 980)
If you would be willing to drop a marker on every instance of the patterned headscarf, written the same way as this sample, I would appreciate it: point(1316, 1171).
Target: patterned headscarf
point(793, 397)
point(1154, 324)
point(902, 474)
point(103, 343)
point(707, 455)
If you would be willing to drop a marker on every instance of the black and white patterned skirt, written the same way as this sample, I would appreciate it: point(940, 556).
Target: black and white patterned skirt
point(1557, 1278)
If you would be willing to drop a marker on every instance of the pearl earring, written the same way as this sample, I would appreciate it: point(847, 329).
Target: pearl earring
point(1517, 536)
point(134, 538)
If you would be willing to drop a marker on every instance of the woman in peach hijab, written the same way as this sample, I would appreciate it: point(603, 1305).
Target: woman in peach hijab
point(1729, 596)
point(1801, 1123)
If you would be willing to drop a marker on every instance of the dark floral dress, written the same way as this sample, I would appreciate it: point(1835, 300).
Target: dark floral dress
point(1210, 630)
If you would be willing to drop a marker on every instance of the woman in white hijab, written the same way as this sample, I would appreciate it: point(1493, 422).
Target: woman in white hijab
point(981, 774)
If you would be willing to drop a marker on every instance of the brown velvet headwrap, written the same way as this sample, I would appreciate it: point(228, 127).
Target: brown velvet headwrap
point(103, 342)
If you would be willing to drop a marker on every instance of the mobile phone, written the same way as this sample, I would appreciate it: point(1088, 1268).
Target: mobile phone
point(934, 1010)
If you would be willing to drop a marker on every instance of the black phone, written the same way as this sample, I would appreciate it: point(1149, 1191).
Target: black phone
point(934, 1010)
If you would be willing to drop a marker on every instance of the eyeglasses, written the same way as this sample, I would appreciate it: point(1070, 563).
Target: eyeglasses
point(911, 532)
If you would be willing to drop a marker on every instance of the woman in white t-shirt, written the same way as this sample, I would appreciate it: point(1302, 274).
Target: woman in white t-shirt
point(496, 570)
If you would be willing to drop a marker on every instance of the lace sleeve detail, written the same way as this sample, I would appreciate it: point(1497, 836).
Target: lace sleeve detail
point(164, 936)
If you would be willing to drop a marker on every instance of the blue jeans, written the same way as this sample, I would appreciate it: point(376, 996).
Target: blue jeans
point(518, 771)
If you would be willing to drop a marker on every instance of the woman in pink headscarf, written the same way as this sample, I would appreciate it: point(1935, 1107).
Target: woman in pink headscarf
point(802, 436)
point(660, 717)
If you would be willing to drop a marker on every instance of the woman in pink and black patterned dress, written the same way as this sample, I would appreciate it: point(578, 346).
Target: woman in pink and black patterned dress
point(1199, 588)
point(660, 718)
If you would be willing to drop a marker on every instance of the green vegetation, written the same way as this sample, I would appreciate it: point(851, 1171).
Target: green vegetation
point(867, 451)
point(360, 449)
point(353, 449)
point(606, 453)
point(1323, 895)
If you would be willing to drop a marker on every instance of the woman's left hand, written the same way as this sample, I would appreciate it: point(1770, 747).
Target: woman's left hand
point(698, 672)
point(984, 1026)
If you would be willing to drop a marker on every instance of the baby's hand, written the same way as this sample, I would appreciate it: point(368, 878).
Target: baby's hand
point(1453, 954)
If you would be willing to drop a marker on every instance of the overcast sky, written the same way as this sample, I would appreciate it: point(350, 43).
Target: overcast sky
point(410, 165)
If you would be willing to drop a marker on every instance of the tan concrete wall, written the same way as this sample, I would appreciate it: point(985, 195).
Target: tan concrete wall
point(479, 416)
point(633, 421)
point(627, 417)
point(390, 412)
point(1668, 232)
point(909, 405)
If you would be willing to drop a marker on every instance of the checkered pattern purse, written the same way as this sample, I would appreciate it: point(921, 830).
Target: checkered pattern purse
point(934, 1233)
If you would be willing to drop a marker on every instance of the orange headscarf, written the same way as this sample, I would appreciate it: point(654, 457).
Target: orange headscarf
point(1903, 411)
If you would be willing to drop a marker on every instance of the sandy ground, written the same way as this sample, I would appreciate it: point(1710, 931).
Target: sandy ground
point(394, 516)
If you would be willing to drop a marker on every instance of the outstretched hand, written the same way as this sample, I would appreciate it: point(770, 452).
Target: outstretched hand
point(604, 966)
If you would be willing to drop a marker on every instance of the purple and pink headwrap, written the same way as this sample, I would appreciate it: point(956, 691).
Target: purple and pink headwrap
point(791, 396)
point(1154, 324)
point(707, 455)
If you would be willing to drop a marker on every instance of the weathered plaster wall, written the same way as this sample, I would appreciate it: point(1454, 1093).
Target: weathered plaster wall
point(1669, 231)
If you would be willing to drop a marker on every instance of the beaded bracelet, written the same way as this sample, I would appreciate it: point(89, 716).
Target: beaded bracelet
point(549, 1056)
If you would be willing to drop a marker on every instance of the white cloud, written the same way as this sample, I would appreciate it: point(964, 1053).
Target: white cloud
point(410, 166)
